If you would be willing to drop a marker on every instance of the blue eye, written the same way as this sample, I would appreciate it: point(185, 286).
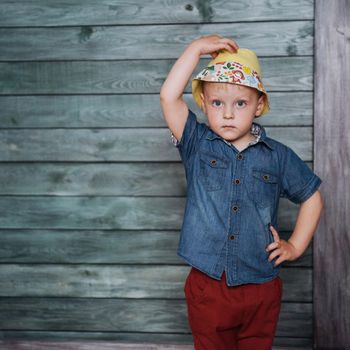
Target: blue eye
point(240, 103)
point(216, 103)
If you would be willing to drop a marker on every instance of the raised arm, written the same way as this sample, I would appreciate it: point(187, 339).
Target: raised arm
point(174, 108)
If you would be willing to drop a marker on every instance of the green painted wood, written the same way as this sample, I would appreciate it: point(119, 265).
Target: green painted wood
point(99, 179)
point(110, 111)
point(10, 337)
point(134, 315)
point(92, 191)
point(157, 41)
point(136, 76)
point(138, 247)
point(87, 12)
point(112, 144)
point(134, 282)
point(128, 213)
point(42, 345)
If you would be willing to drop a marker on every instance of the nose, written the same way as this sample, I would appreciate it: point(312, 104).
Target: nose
point(228, 113)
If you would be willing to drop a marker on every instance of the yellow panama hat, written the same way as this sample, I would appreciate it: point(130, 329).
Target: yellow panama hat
point(241, 67)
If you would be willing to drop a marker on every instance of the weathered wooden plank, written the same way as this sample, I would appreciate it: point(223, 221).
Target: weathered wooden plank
point(10, 337)
point(101, 247)
point(43, 345)
point(107, 144)
point(88, 111)
point(89, 12)
point(128, 213)
point(134, 315)
point(100, 179)
point(96, 281)
point(136, 76)
point(332, 162)
point(157, 41)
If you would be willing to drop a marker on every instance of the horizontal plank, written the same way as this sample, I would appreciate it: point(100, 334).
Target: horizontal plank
point(89, 12)
point(96, 281)
point(13, 337)
point(43, 345)
point(136, 315)
point(102, 247)
point(156, 41)
point(107, 144)
point(88, 111)
point(129, 213)
point(101, 77)
point(100, 179)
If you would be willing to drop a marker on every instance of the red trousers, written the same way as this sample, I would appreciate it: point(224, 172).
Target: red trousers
point(240, 317)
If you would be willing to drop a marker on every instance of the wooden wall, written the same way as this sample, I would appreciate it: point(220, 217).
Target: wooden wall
point(332, 162)
point(93, 191)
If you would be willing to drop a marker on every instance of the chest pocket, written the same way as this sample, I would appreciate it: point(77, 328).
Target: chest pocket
point(263, 187)
point(213, 170)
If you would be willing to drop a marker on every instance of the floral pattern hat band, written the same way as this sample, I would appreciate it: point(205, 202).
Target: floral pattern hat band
point(241, 67)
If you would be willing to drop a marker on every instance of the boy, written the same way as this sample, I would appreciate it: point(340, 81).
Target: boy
point(235, 175)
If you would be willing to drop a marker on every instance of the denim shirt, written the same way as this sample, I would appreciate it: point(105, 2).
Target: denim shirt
point(232, 196)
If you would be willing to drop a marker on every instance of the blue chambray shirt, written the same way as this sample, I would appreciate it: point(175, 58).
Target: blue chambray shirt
point(232, 196)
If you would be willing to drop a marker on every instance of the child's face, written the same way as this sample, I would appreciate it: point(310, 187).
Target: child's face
point(231, 109)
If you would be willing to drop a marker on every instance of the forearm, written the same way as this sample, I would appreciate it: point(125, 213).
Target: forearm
point(306, 223)
point(179, 75)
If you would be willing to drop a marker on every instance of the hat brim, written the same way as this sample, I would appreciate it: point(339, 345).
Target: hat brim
point(229, 72)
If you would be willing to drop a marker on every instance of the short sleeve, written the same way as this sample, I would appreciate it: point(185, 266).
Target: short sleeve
point(190, 136)
point(299, 182)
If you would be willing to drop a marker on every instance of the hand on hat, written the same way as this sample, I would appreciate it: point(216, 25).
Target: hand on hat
point(284, 249)
point(212, 44)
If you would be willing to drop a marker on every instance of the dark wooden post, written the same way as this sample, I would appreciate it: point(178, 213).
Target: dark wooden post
point(332, 155)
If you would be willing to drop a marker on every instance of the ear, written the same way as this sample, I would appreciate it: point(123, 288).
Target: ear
point(261, 105)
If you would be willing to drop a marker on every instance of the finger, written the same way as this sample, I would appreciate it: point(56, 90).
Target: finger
point(230, 42)
point(274, 245)
point(274, 233)
point(274, 254)
point(279, 261)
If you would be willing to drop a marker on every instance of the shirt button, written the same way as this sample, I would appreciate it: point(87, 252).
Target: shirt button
point(239, 156)
point(235, 208)
point(232, 237)
point(266, 177)
point(237, 181)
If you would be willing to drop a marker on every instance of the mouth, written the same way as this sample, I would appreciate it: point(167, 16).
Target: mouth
point(229, 126)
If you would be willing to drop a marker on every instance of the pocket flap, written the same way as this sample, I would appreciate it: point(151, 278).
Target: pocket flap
point(213, 160)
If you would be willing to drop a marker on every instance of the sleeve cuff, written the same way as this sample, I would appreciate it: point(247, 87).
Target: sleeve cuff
point(309, 189)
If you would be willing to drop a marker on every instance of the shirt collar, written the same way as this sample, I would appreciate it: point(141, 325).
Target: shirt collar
point(256, 129)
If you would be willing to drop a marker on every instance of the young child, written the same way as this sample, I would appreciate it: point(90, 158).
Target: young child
point(235, 175)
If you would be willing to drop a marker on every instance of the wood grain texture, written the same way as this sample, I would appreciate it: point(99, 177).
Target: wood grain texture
point(88, 12)
point(91, 212)
point(132, 315)
point(92, 191)
point(138, 247)
point(157, 41)
point(94, 179)
point(133, 282)
point(133, 111)
point(28, 338)
point(332, 162)
point(112, 144)
point(42, 345)
point(136, 76)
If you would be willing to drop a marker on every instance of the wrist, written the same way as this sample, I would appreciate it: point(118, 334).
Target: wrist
point(194, 49)
point(296, 252)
